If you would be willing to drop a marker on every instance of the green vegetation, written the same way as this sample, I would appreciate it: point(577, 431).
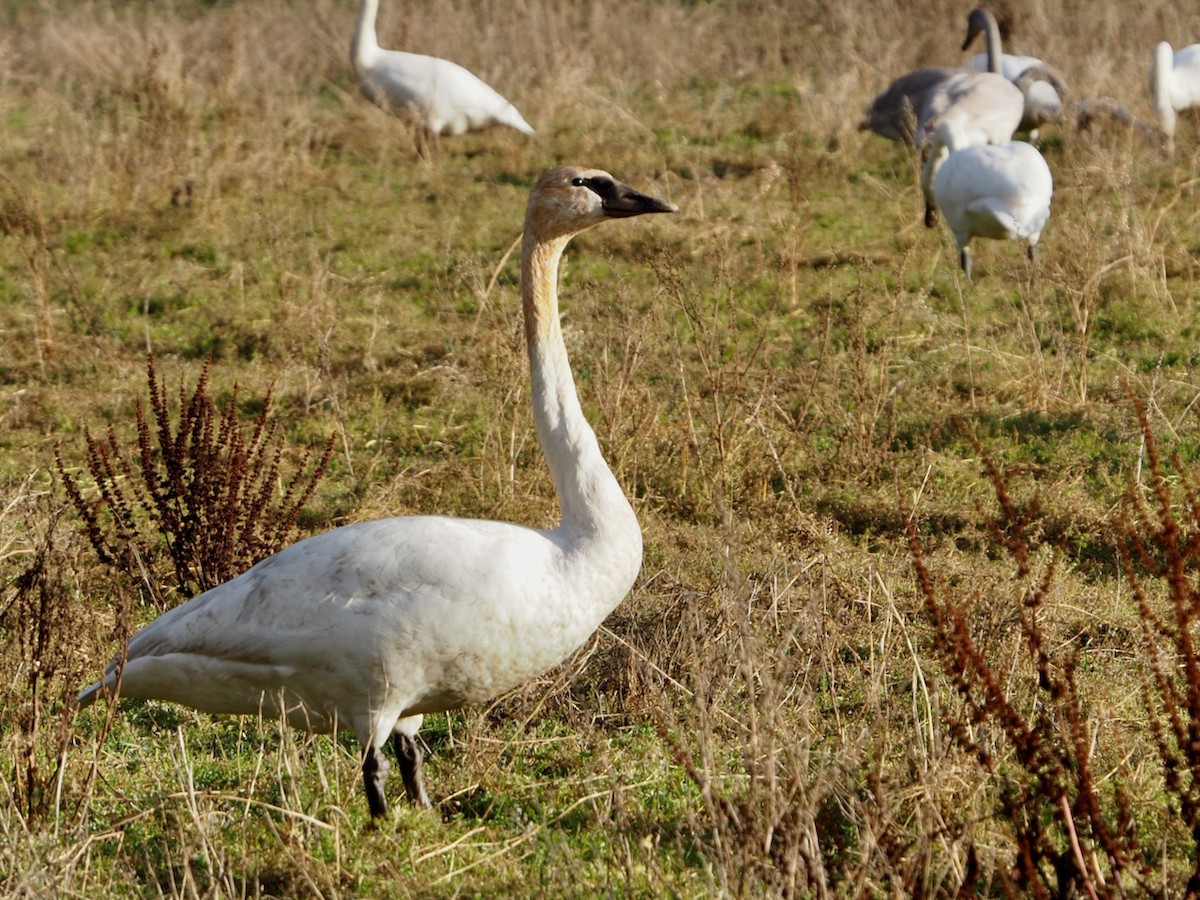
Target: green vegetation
point(919, 589)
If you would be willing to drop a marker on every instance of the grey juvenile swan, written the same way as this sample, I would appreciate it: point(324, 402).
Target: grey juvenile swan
point(986, 106)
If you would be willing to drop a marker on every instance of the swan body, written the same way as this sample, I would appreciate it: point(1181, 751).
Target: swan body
point(913, 105)
point(1042, 86)
point(999, 191)
point(899, 113)
point(370, 626)
point(441, 96)
point(1175, 81)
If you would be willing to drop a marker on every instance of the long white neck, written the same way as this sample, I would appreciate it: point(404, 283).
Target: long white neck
point(1163, 71)
point(994, 53)
point(948, 137)
point(592, 503)
point(364, 44)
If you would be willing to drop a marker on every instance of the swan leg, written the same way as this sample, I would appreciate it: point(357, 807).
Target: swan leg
point(964, 257)
point(375, 769)
point(410, 758)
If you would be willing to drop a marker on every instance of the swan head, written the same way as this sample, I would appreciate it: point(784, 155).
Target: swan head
point(566, 200)
point(979, 22)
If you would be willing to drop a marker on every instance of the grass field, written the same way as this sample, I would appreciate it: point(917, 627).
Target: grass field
point(920, 591)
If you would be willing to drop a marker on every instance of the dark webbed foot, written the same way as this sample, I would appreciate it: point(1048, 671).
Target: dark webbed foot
point(409, 755)
point(375, 769)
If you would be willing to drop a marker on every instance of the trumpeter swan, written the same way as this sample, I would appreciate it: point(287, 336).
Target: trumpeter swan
point(990, 191)
point(986, 105)
point(1175, 81)
point(372, 625)
point(441, 96)
point(1041, 85)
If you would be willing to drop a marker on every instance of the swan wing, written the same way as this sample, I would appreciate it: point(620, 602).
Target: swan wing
point(897, 112)
point(383, 608)
point(1185, 80)
point(987, 108)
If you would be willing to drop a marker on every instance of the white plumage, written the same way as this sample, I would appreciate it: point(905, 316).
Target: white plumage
point(992, 191)
point(441, 96)
point(1175, 82)
point(370, 626)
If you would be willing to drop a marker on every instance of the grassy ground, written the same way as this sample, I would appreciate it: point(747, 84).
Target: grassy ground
point(856, 663)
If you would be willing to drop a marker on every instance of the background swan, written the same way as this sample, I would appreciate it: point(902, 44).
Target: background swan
point(986, 106)
point(899, 113)
point(998, 191)
point(441, 96)
point(1175, 82)
point(1042, 87)
point(372, 625)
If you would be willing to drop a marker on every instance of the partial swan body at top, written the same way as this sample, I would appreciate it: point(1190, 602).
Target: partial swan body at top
point(997, 191)
point(441, 96)
point(371, 626)
point(1175, 82)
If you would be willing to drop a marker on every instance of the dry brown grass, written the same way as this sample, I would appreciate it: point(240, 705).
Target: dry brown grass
point(790, 378)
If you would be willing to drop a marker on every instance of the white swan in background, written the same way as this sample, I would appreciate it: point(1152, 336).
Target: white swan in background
point(988, 111)
point(1175, 81)
point(370, 626)
point(1042, 86)
point(990, 191)
point(441, 96)
point(986, 105)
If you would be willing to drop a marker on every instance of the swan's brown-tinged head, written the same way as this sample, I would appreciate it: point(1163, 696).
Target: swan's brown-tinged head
point(566, 200)
point(977, 23)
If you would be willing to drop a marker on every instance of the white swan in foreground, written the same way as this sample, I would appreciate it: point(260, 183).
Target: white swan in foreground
point(991, 191)
point(441, 96)
point(1042, 86)
point(370, 626)
point(1175, 81)
point(986, 105)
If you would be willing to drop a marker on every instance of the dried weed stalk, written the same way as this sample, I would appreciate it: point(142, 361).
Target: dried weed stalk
point(196, 488)
point(774, 814)
point(1074, 828)
point(40, 625)
point(1160, 553)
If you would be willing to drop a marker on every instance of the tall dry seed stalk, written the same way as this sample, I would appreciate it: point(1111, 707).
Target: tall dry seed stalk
point(40, 620)
point(1160, 555)
point(1067, 807)
point(196, 485)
